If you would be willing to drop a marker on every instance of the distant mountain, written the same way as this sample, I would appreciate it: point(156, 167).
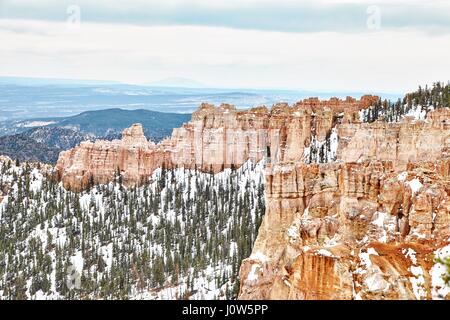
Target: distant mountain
point(105, 123)
point(42, 139)
point(111, 122)
point(178, 83)
point(57, 137)
point(24, 148)
point(31, 98)
point(41, 144)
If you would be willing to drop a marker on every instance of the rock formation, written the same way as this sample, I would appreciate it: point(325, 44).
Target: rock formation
point(349, 230)
point(215, 138)
point(364, 225)
point(99, 162)
point(407, 141)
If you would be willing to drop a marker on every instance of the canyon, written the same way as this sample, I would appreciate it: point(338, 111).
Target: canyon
point(354, 210)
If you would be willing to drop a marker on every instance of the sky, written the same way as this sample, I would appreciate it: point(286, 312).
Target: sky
point(323, 45)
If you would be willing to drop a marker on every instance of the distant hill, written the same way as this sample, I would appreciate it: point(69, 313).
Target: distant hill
point(41, 144)
point(101, 123)
point(42, 139)
point(24, 148)
point(57, 137)
point(105, 123)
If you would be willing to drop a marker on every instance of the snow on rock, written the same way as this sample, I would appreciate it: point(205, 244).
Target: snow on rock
point(411, 254)
point(402, 176)
point(324, 252)
point(439, 289)
point(378, 218)
point(252, 276)
point(418, 282)
point(292, 233)
point(385, 224)
point(415, 185)
point(365, 257)
point(376, 283)
point(259, 256)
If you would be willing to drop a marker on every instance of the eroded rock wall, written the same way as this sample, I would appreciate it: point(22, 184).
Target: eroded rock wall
point(349, 231)
point(100, 161)
point(401, 143)
point(216, 138)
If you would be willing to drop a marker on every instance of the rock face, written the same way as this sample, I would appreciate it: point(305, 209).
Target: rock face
point(224, 137)
point(100, 161)
point(408, 141)
point(364, 225)
point(349, 230)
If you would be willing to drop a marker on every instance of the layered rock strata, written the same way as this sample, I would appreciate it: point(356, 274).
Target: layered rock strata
point(367, 226)
point(133, 157)
point(349, 230)
point(223, 137)
point(403, 142)
point(215, 138)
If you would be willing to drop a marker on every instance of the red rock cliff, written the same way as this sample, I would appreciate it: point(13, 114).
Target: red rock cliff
point(100, 161)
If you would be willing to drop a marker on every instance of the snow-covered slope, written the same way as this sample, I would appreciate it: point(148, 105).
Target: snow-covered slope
point(182, 235)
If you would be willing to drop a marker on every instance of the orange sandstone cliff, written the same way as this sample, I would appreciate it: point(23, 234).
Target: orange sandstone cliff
point(366, 226)
point(215, 138)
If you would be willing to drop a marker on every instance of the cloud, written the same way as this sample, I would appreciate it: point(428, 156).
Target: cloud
point(392, 61)
point(317, 45)
point(271, 15)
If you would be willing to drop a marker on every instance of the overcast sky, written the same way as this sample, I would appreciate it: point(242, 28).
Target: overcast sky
point(385, 45)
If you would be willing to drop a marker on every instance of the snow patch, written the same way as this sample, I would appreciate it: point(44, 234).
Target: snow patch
point(415, 185)
point(324, 252)
point(322, 151)
point(252, 275)
point(32, 124)
point(376, 283)
point(259, 256)
point(411, 254)
point(364, 257)
point(77, 261)
point(418, 282)
point(379, 218)
point(402, 176)
point(439, 289)
point(417, 113)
